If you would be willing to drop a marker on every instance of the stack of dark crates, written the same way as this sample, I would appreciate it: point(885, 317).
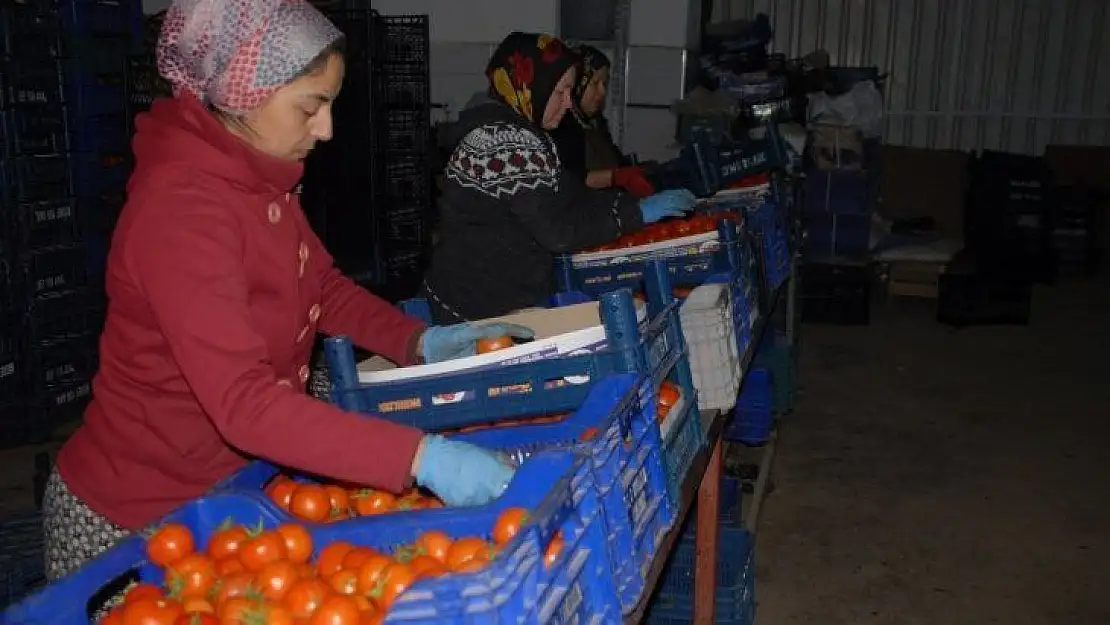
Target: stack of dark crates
point(841, 192)
point(1009, 216)
point(46, 353)
point(367, 192)
point(1008, 228)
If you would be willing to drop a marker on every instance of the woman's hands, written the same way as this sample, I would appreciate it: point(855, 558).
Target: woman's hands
point(439, 343)
point(461, 474)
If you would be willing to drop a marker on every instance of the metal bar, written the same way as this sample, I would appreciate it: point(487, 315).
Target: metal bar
point(759, 490)
point(705, 571)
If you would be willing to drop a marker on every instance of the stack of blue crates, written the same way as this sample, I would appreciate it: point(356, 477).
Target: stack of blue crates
point(45, 351)
point(97, 37)
point(838, 207)
point(735, 592)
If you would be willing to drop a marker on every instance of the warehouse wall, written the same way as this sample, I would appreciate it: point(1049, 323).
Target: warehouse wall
point(1000, 74)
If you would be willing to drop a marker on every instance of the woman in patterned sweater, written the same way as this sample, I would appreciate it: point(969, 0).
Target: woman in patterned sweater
point(508, 204)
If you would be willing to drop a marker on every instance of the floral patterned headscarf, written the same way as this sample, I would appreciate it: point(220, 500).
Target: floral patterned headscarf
point(524, 70)
point(233, 54)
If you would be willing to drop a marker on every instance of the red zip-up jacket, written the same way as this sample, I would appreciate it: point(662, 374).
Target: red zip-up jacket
point(217, 286)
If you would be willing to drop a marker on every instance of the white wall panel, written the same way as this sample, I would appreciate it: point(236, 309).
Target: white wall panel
point(1010, 75)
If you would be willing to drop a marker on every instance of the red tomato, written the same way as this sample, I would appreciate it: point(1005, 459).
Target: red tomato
point(192, 576)
point(337, 610)
point(276, 578)
point(331, 558)
point(151, 612)
point(281, 490)
point(395, 579)
point(371, 572)
point(434, 543)
point(298, 543)
point(370, 502)
point(669, 393)
point(338, 501)
point(311, 503)
point(508, 525)
point(226, 542)
point(492, 345)
point(169, 544)
point(143, 591)
point(305, 596)
point(554, 548)
point(261, 550)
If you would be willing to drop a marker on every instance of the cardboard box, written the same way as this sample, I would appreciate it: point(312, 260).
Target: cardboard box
point(559, 331)
point(916, 182)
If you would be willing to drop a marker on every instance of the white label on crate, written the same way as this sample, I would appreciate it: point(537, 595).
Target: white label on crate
point(7, 369)
point(568, 611)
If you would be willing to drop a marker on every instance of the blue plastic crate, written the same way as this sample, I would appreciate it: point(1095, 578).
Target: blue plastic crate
point(549, 386)
point(58, 316)
point(35, 178)
point(515, 587)
point(46, 223)
point(60, 364)
point(22, 561)
point(36, 83)
point(839, 192)
point(29, 31)
point(753, 415)
point(681, 444)
point(830, 236)
point(735, 593)
point(593, 279)
point(51, 270)
point(625, 464)
point(32, 131)
point(89, 18)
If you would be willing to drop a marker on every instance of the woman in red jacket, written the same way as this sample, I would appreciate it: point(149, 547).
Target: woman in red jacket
point(217, 287)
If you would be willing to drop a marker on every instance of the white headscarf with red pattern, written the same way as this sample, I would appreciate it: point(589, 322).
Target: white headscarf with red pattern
point(234, 53)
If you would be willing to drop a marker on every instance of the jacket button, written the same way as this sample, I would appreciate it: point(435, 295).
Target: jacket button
point(302, 373)
point(274, 213)
point(303, 333)
point(314, 313)
point(284, 382)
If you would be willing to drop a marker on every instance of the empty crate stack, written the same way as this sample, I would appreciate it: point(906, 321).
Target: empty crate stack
point(45, 351)
point(341, 176)
point(406, 199)
point(97, 37)
point(841, 189)
point(1008, 217)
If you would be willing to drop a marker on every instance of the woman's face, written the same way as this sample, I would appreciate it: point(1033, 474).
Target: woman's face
point(593, 97)
point(559, 102)
point(297, 115)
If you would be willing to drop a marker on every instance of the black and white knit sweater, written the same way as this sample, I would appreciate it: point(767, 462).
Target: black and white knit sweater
point(508, 208)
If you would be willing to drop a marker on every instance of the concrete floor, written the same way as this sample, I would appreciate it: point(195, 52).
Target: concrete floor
point(931, 475)
point(928, 475)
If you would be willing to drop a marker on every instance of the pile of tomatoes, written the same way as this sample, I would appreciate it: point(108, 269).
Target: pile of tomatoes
point(326, 503)
point(255, 576)
point(668, 230)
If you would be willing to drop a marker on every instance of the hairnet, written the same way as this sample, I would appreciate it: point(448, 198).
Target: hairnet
point(233, 54)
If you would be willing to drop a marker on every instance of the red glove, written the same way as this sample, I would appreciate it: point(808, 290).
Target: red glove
point(633, 180)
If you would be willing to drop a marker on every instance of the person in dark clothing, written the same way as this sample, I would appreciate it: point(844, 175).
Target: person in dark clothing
point(508, 205)
point(583, 138)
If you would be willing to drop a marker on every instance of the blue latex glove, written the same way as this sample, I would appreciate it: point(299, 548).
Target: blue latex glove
point(460, 340)
point(671, 203)
point(461, 474)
